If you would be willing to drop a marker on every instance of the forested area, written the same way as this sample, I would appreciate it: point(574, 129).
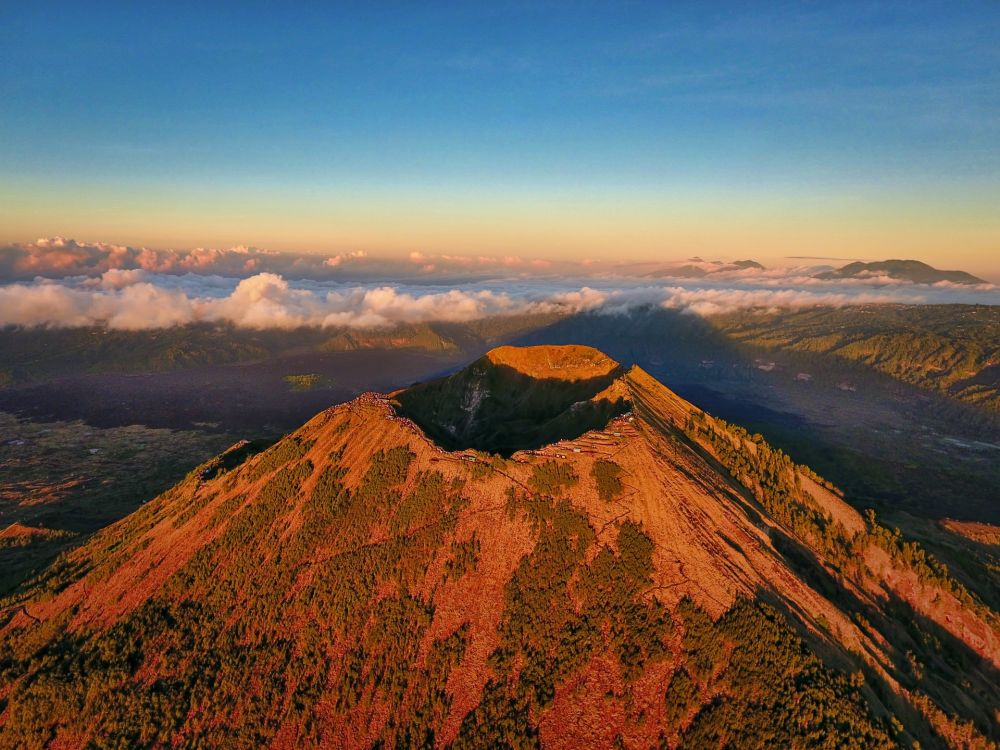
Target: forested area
point(951, 349)
point(238, 647)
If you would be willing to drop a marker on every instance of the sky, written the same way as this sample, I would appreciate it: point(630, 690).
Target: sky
point(536, 130)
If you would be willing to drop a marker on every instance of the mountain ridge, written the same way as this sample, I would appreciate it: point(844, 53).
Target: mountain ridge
point(914, 271)
point(464, 598)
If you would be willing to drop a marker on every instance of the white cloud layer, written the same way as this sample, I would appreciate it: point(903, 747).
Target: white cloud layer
point(59, 257)
point(62, 282)
point(134, 299)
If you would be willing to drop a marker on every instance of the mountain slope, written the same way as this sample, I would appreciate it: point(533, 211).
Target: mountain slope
point(951, 349)
point(518, 397)
point(662, 580)
point(905, 270)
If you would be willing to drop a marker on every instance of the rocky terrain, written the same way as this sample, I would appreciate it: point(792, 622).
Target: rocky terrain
point(660, 578)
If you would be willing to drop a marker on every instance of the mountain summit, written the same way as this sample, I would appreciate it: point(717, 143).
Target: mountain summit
point(518, 398)
point(904, 270)
point(543, 549)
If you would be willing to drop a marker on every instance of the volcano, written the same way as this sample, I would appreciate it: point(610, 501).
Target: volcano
point(545, 549)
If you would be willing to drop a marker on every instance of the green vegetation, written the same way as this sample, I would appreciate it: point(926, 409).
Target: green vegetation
point(32, 537)
point(417, 336)
point(951, 349)
point(549, 636)
point(551, 477)
point(773, 479)
point(310, 611)
point(388, 469)
point(911, 556)
point(308, 382)
point(770, 690)
point(277, 456)
point(681, 698)
point(757, 685)
point(41, 354)
point(498, 409)
point(72, 478)
point(607, 477)
point(421, 506)
point(223, 680)
point(463, 557)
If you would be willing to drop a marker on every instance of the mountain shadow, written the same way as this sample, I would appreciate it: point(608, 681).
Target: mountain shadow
point(518, 399)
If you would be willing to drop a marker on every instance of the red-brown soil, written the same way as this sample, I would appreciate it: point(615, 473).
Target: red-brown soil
point(714, 543)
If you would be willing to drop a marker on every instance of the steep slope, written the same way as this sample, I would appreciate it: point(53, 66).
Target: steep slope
point(515, 398)
point(664, 580)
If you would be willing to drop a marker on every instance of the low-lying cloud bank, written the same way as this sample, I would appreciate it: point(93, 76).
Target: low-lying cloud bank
point(59, 257)
point(262, 301)
point(135, 299)
point(64, 283)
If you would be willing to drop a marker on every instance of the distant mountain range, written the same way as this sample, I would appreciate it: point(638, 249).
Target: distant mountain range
point(696, 268)
point(905, 270)
point(545, 549)
point(913, 271)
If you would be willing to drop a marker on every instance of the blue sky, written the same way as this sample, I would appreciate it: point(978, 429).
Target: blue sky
point(483, 115)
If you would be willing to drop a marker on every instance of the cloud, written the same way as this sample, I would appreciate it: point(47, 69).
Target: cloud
point(58, 257)
point(117, 278)
point(137, 299)
point(707, 302)
point(335, 260)
point(582, 299)
point(62, 282)
point(265, 300)
point(61, 258)
point(135, 307)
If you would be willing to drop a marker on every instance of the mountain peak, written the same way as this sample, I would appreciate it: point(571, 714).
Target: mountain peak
point(570, 362)
point(645, 575)
point(517, 398)
point(913, 271)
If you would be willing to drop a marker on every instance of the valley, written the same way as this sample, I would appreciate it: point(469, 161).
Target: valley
point(846, 419)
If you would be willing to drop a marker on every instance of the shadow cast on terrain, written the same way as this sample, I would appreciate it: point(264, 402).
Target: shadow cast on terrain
point(924, 656)
point(243, 399)
point(882, 442)
point(499, 409)
point(878, 693)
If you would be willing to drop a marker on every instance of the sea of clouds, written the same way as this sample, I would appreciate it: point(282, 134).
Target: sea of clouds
point(63, 283)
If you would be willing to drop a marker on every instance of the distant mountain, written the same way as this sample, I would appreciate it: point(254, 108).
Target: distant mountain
point(906, 270)
point(404, 336)
point(642, 576)
point(695, 268)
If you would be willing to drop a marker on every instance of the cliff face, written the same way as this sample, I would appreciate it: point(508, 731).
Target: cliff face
point(516, 398)
point(658, 579)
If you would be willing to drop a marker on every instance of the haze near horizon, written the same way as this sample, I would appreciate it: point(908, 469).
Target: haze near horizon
point(643, 132)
